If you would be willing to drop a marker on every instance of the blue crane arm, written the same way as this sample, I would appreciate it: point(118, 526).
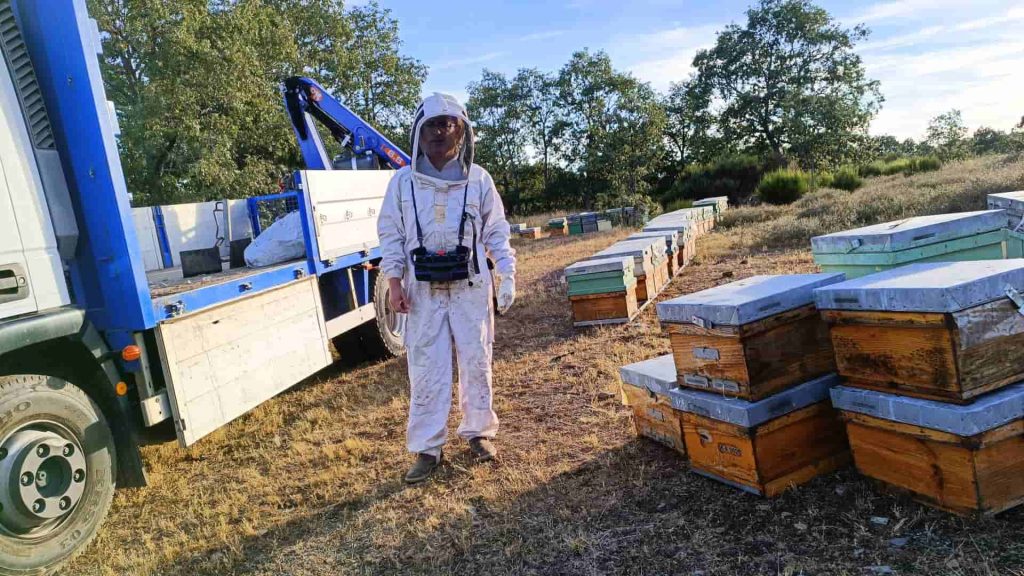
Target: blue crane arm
point(306, 100)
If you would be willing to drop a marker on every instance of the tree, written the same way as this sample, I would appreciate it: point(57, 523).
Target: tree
point(946, 135)
point(499, 117)
point(790, 83)
point(543, 116)
point(990, 141)
point(196, 86)
point(690, 130)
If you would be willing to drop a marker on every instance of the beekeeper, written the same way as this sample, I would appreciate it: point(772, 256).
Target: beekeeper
point(441, 218)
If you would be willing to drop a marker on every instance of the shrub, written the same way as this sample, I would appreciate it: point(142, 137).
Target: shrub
point(898, 166)
point(876, 168)
point(678, 205)
point(846, 178)
point(783, 186)
point(822, 180)
point(925, 163)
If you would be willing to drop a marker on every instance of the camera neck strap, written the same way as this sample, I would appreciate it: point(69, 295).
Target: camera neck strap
point(462, 220)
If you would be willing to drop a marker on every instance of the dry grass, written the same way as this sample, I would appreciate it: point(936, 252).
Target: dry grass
point(310, 482)
point(957, 187)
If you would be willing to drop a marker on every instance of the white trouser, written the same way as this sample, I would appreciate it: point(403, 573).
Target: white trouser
point(440, 314)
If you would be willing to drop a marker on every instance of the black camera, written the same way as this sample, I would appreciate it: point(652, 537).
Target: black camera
point(434, 267)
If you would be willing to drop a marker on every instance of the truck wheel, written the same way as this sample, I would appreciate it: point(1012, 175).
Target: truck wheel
point(384, 338)
point(57, 473)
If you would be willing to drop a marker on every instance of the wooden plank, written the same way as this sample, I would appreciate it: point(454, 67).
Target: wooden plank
point(939, 472)
point(720, 448)
point(986, 333)
point(922, 358)
point(844, 317)
point(645, 289)
point(1000, 469)
point(603, 306)
point(731, 363)
point(798, 440)
point(661, 423)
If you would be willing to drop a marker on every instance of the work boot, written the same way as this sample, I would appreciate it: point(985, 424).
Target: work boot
point(482, 448)
point(423, 467)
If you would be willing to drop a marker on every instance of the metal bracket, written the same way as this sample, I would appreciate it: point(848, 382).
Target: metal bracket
point(696, 380)
point(703, 323)
point(1017, 298)
point(725, 385)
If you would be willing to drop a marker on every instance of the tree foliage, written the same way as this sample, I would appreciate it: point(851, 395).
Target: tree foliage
point(789, 83)
point(946, 135)
point(196, 86)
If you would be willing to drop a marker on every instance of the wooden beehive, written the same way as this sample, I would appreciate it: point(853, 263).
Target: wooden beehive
point(762, 447)
point(647, 254)
point(602, 291)
point(937, 238)
point(964, 459)
point(532, 233)
point(653, 414)
point(671, 247)
point(751, 338)
point(946, 331)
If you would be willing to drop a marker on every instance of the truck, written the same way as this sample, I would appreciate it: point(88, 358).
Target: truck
point(119, 325)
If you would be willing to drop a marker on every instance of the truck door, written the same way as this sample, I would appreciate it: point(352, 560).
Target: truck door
point(15, 296)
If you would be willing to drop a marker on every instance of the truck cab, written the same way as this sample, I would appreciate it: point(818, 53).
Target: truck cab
point(106, 335)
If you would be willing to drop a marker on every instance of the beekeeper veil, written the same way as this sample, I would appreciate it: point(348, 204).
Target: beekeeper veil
point(435, 105)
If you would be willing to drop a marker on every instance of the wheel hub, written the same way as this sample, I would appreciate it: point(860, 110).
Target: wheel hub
point(45, 478)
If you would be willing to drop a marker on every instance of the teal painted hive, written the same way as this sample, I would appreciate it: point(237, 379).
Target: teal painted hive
point(603, 276)
point(963, 236)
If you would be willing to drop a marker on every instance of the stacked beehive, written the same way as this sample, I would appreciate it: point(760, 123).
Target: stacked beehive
point(532, 233)
point(685, 233)
point(754, 364)
point(650, 264)
point(718, 203)
point(671, 247)
point(602, 291)
point(558, 226)
point(929, 354)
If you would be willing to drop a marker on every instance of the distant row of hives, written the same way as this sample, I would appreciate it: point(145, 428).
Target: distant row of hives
point(906, 353)
point(613, 285)
point(582, 223)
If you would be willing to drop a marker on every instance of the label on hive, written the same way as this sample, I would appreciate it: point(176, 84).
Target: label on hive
point(725, 385)
point(748, 414)
point(706, 353)
point(696, 380)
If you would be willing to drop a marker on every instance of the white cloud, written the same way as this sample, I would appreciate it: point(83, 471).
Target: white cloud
point(665, 56)
point(540, 36)
point(460, 62)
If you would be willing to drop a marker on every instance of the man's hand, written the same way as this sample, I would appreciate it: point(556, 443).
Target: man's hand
point(506, 292)
point(397, 299)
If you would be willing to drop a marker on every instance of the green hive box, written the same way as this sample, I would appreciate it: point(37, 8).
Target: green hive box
point(603, 276)
point(956, 237)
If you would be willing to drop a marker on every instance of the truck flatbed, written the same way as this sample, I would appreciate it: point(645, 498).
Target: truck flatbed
point(169, 281)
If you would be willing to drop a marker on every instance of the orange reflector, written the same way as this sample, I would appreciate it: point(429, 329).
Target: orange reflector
point(121, 388)
point(131, 353)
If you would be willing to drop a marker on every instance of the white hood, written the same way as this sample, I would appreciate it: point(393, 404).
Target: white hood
point(435, 105)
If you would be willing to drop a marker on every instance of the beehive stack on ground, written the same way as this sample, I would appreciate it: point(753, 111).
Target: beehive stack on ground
point(753, 366)
point(686, 236)
point(718, 203)
point(650, 265)
point(671, 247)
point(962, 236)
point(532, 233)
point(558, 226)
point(602, 291)
point(924, 349)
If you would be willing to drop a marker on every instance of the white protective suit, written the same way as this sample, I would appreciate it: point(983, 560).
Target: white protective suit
point(440, 313)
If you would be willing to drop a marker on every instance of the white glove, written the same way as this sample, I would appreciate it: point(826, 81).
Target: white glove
point(506, 292)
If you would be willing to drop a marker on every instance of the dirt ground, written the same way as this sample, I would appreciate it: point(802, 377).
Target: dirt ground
point(310, 482)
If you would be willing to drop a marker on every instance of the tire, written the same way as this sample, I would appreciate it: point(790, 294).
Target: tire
point(385, 337)
point(37, 409)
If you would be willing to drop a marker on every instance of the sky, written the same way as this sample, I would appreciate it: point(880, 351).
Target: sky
point(929, 55)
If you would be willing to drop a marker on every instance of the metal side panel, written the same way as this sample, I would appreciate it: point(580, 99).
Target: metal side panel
point(345, 204)
point(224, 361)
